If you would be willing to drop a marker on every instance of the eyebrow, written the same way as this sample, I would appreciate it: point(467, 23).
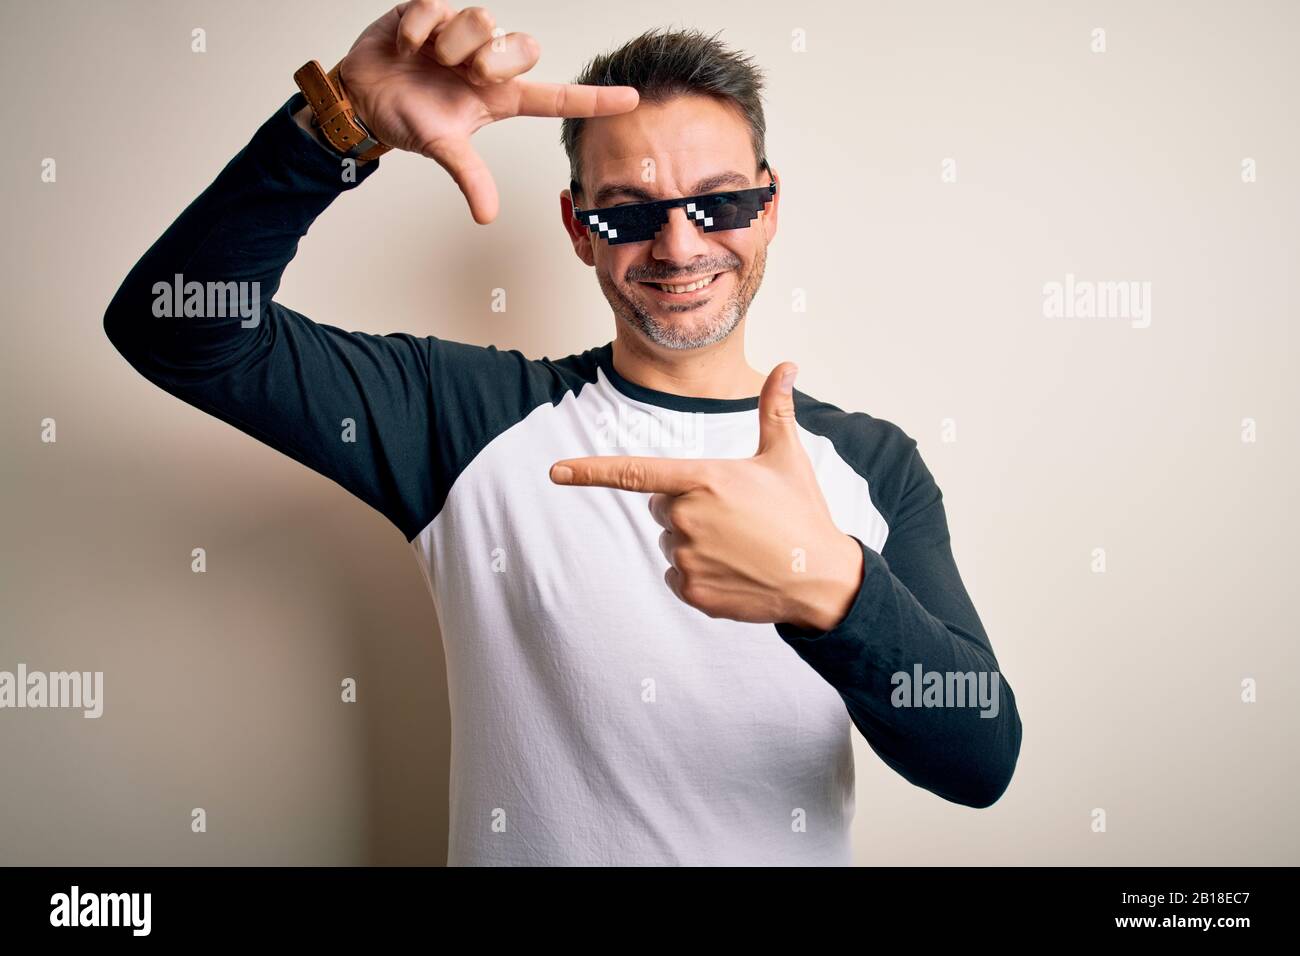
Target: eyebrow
point(609, 191)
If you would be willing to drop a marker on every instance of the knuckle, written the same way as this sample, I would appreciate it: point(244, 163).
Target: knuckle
point(692, 593)
point(631, 477)
point(480, 17)
point(783, 415)
point(713, 479)
point(434, 148)
point(478, 71)
point(442, 51)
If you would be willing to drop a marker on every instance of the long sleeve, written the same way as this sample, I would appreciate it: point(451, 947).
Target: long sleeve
point(956, 733)
point(352, 406)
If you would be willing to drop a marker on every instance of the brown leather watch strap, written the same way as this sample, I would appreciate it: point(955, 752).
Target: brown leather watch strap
point(334, 114)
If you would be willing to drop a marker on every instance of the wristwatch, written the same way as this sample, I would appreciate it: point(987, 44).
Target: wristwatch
point(334, 115)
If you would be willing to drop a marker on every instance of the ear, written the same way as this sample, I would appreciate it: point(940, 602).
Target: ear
point(770, 212)
point(579, 235)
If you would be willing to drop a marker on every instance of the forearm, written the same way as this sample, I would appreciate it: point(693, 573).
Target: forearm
point(244, 229)
point(353, 406)
point(964, 750)
point(303, 118)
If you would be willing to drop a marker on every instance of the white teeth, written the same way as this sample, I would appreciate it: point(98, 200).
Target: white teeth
point(686, 288)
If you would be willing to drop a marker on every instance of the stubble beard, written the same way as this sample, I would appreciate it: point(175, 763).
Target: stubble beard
point(697, 326)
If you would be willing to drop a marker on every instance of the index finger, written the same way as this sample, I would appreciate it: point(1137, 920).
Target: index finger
point(670, 476)
point(575, 99)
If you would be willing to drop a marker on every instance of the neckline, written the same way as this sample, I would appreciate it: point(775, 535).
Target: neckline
point(677, 403)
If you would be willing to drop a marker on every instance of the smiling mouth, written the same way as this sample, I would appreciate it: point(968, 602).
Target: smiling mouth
point(682, 289)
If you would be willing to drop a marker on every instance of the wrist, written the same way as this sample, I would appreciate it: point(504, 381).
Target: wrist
point(305, 119)
point(834, 580)
point(333, 118)
point(336, 75)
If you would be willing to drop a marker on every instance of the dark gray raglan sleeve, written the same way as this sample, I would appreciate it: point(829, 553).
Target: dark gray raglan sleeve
point(912, 615)
point(415, 409)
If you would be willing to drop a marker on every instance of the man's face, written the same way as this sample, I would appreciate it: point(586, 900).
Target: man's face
point(690, 145)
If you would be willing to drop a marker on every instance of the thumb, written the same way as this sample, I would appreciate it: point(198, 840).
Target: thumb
point(777, 430)
point(460, 159)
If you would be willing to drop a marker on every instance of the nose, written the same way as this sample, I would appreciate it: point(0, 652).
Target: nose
point(680, 239)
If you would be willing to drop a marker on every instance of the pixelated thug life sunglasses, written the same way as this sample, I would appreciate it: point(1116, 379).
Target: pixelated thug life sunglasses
point(640, 221)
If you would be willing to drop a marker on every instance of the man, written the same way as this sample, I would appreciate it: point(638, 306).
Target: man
point(668, 585)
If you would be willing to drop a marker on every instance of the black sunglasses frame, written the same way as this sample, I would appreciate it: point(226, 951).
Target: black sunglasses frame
point(630, 222)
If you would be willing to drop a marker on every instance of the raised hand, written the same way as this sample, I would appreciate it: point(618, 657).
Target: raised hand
point(750, 539)
point(425, 77)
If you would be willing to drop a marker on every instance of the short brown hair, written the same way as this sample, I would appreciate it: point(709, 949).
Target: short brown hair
point(662, 64)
